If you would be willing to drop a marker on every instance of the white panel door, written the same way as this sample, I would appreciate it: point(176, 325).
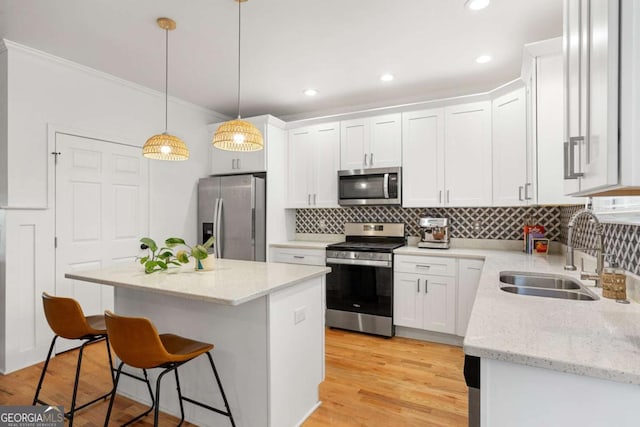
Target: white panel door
point(354, 144)
point(408, 300)
point(601, 151)
point(468, 154)
point(101, 213)
point(385, 147)
point(510, 184)
point(423, 158)
point(300, 173)
point(439, 304)
point(326, 145)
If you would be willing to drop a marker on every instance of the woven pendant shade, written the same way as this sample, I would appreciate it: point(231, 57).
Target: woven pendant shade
point(238, 135)
point(165, 147)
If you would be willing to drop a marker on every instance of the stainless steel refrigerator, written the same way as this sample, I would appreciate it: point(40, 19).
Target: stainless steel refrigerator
point(232, 208)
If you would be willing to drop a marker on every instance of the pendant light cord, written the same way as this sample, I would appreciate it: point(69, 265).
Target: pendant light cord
point(166, 79)
point(239, 35)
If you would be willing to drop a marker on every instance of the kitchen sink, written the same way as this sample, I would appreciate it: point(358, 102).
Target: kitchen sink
point(544, 285)
point(549, 293)
point(539, 280)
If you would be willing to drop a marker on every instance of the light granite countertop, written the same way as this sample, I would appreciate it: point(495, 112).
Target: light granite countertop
point(599, 339)
point(231, 282)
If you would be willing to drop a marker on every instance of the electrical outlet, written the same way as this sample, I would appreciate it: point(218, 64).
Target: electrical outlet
point(322, 224)
point(477, 227)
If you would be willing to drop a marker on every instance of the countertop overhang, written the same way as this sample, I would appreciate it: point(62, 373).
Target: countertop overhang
point(231, 282)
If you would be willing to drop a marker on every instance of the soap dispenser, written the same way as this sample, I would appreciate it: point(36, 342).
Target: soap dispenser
point(614, 282)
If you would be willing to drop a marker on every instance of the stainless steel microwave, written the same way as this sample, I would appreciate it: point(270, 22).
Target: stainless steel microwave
point(379, 186)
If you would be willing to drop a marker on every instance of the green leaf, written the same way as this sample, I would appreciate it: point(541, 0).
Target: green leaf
point(144, 259)
point(174, 241)
point(162, 265)
point(150, 266)
point(173, 262)
point(149, 242)
point(199, 252)
point(165, 255)
point(209, 242)
point(182, 256)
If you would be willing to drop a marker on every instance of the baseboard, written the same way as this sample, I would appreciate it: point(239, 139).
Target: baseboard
point(418, 334)
point(308, 414)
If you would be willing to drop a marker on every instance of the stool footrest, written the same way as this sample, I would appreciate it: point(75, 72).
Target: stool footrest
point(211, 408)
point(77, 408)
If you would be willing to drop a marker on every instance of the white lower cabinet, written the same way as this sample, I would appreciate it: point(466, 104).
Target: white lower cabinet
point(298, 256)
point(425, 301)
point(469, 271)
point(434, 293)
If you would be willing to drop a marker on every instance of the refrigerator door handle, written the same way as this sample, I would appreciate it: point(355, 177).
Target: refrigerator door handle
point(219, 229)
point(215, 228)
point(253, 226)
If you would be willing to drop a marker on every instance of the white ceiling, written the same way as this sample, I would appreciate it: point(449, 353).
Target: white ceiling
point(339, 47)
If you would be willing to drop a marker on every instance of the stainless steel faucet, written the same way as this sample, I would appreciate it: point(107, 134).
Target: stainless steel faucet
point(599, 248)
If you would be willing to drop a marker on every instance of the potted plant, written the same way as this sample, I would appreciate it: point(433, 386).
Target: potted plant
point(160, 258)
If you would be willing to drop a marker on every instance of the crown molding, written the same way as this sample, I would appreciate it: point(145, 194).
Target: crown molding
point(13, 46)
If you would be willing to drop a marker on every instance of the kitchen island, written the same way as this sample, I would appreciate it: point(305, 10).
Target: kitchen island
point(266, 321)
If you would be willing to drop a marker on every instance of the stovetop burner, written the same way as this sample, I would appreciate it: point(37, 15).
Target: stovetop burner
point(371, 237)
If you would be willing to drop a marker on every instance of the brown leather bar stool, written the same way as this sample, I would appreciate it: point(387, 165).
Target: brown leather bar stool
point(137, 343)
point(66, 319)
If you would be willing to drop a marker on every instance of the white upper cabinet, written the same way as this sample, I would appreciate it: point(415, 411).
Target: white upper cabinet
point(299, 168)
point(468, 154)
point(372, 142)
point(313, 165)
point(591, 38)
point(512, 183)
point(423, 158)
point(235, 162)
point(543, 77)
point(447, 156)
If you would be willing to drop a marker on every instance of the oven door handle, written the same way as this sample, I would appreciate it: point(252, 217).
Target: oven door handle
point(368, 263)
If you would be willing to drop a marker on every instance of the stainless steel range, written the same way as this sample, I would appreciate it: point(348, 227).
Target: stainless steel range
point(360, 285)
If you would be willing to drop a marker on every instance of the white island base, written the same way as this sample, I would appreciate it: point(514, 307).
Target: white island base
point(269, 353)
point(525, 396)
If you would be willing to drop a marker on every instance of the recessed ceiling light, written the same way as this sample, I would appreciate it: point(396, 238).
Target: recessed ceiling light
point(483, 59)
point(386, 77)
point(310, 92)
point(476, 4)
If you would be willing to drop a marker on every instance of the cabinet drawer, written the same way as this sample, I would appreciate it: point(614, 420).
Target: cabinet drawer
point(298, 256)
point(432, 265)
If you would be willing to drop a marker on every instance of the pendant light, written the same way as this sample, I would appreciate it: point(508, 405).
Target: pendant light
point(238, 135)
point(165, 146)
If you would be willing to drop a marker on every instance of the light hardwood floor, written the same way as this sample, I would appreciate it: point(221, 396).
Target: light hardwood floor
point(374, 381)
point(370, 381)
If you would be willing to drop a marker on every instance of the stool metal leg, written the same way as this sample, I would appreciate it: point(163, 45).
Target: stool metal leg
point(72, 410)
point(44, 371)
point(224, 397)
point(156, 412)
point(119, 371)
point(75, 384)
point(179, 397)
